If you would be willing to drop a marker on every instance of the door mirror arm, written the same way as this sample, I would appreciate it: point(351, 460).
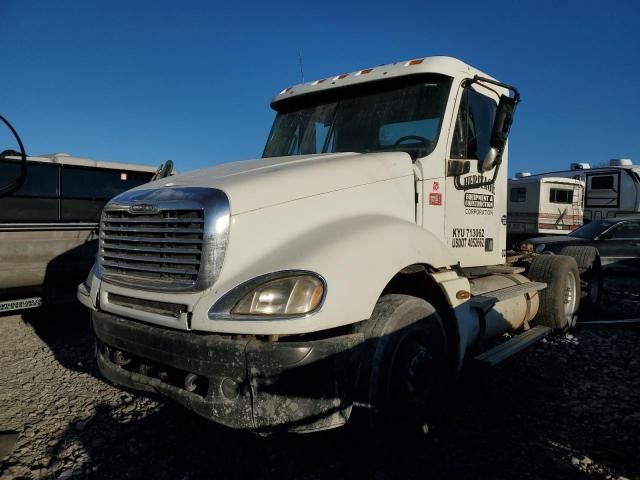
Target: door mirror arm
point(17, 183)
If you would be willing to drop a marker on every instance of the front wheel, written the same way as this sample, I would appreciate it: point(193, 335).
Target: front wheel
point(405, 364)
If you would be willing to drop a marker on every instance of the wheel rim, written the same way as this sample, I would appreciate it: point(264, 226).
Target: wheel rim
point(570, 297)
point(412, 380)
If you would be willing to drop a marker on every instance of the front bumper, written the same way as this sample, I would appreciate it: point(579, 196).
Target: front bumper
point(251, 384)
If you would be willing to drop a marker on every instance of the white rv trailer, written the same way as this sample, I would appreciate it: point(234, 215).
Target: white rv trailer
point(544, 205)
point(611, 191)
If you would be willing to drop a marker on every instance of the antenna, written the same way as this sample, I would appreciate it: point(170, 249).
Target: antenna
point(301, 67)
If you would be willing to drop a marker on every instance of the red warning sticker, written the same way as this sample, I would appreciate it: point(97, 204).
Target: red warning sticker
point(435, 199)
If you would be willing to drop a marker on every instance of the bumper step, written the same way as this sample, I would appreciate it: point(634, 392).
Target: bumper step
point(501, 352)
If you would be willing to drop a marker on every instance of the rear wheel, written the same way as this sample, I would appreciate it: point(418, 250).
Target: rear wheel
point(559, 301)
point(590, 268)
point(405, 364)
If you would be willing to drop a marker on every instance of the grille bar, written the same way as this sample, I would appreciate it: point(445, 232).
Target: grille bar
point(109, 228)
point(144, 268)
point(146, 249)
point(150, 259)
point(158, 239)
point(163, 248)
point(139, 219)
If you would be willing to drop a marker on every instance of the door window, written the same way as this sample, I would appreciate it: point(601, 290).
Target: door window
point(518, 194)
point(560, 195)
point(472, 133)
point(626, 230)
point(37, 199)
point(602, 182)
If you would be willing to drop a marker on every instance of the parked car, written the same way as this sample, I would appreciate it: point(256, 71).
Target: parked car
point(616, 239)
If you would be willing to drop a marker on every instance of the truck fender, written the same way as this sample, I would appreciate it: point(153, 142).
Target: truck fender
point(356, 256)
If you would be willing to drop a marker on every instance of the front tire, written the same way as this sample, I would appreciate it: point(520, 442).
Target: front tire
point(405, 365)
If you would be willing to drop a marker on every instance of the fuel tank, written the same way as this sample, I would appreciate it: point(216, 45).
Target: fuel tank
point(510, 314)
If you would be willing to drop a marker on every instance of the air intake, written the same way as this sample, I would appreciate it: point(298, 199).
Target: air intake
point(166, 239)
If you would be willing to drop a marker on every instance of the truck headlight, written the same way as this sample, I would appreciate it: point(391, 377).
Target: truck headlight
point(292, 295)
point(89, 281)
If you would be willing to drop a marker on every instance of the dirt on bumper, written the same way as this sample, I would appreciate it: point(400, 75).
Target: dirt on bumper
point(245, 383)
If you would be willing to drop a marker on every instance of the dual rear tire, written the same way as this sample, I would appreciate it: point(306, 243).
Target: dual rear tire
point(590, 268)
point(559, 302)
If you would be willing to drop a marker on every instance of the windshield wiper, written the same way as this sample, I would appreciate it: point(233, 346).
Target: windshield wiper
point(327, 140)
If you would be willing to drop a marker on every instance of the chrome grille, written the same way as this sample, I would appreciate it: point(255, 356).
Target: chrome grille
point(158, 249)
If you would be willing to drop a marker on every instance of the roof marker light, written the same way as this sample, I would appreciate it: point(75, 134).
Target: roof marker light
point(415, 62)
point(318, 82)
point(365, 71)
point(285, 91)
point(341, 76)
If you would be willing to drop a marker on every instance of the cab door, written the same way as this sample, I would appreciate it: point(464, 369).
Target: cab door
point(475, 223)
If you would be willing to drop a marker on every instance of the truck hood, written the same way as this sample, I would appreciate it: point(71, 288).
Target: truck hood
point(255, 184)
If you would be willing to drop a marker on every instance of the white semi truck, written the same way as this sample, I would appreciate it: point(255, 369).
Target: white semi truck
point(350, 272)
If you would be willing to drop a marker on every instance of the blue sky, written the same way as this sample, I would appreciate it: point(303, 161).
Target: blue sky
point(143, 81)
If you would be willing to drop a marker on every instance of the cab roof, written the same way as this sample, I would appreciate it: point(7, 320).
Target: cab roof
point(439, 65)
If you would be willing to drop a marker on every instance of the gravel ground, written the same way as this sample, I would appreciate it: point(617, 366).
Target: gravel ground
point(567, 408)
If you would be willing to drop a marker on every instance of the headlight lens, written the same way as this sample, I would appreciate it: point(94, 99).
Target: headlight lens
point(293, 295)
point(540, 248)
point(89, 281)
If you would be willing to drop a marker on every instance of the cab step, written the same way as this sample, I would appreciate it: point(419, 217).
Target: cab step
point(487, 300)
point(501, 352)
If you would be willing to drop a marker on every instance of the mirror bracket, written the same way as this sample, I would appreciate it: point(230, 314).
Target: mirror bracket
point(15, 185)
point(456, 167)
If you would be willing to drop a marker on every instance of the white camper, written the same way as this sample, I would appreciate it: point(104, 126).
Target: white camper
point(544, 205)
point(611, 191)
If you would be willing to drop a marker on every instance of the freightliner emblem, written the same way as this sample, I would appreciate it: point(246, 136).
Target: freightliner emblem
point(142, 208)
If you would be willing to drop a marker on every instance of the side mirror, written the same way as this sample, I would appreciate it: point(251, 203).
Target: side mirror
point(164, 170)
point(13, 164)
point(499, 133)
point(489, 160)
point(502, 123)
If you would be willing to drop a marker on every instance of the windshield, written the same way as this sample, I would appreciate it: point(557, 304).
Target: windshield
point(394, 118)
point(592, 230)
